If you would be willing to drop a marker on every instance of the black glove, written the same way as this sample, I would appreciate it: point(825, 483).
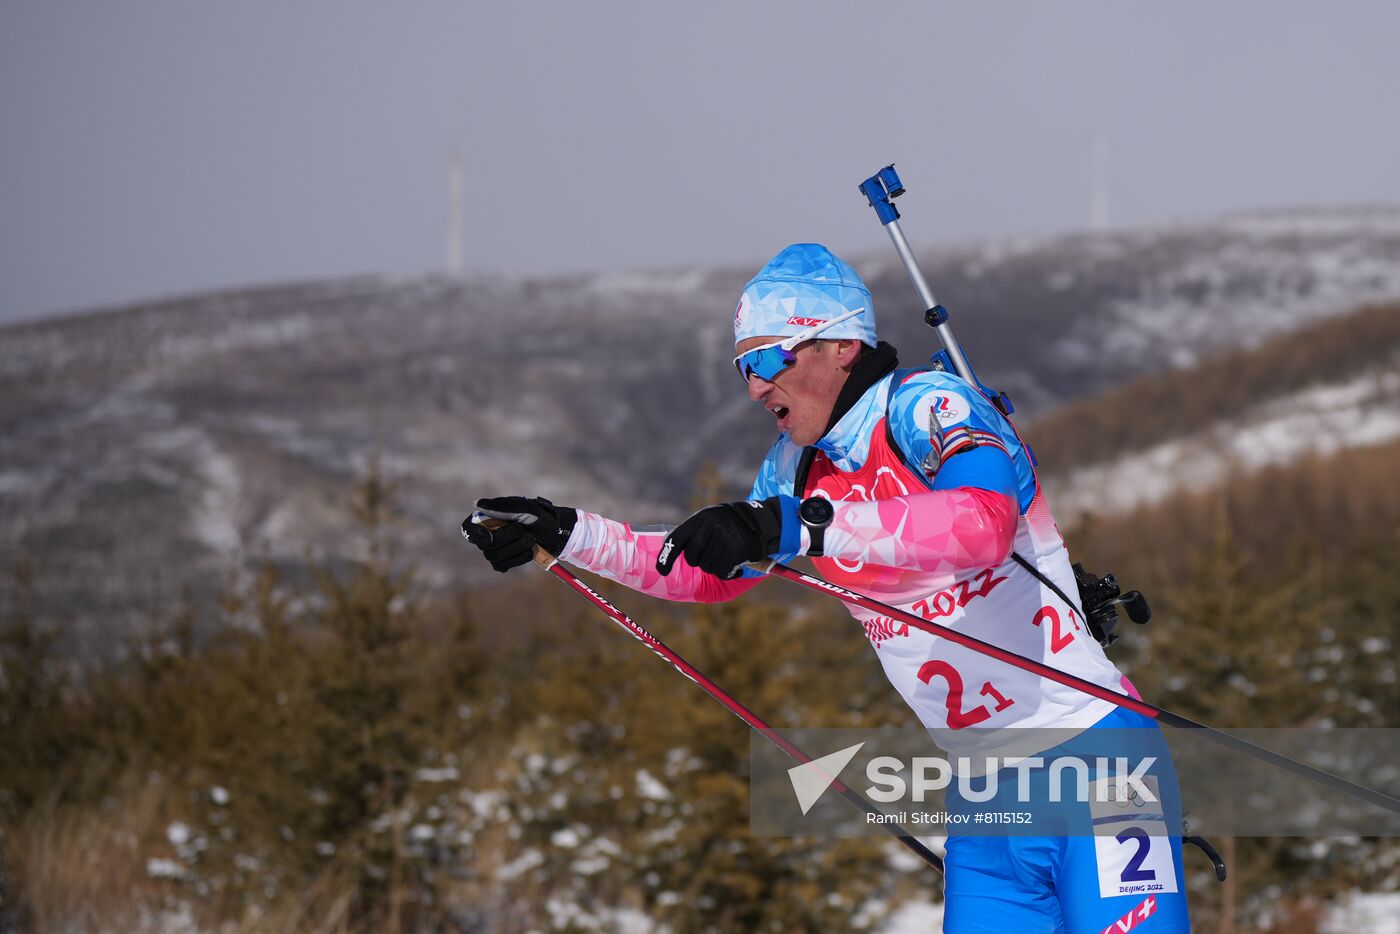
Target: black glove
point(529, 522)
point(719, 539)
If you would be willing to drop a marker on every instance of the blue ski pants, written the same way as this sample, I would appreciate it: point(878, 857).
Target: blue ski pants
point(1125, 875)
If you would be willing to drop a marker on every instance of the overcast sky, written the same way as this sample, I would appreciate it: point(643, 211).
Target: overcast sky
point(152, 147)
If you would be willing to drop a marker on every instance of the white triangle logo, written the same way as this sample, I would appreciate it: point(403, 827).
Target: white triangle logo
point(810, 780)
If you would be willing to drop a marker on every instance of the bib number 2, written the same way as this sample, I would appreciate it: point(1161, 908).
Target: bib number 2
point(1133, 871)
point(1131, 845)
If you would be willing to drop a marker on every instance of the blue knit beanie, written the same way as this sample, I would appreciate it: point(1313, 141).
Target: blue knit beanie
point(805, 285)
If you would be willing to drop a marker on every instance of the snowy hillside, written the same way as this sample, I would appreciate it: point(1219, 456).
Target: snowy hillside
point(161, 446)
point(1328, 387)
point(1358, 411)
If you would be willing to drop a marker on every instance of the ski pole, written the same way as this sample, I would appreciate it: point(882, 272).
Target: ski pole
point(1219, 737)
point(551, 564)
point(880, 190)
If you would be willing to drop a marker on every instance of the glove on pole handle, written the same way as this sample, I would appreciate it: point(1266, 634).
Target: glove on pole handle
point(543, 558)
point(1219, 737)
point(551, 564)
point(880, 190)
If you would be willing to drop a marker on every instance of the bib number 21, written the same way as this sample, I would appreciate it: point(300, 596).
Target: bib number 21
point(958, 718)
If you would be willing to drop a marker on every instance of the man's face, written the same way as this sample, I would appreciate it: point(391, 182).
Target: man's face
point(802, 396)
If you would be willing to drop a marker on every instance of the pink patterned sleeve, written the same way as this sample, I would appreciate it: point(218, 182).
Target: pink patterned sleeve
point(613, 550)
point(941, 530)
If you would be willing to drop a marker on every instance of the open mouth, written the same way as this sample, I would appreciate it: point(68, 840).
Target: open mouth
point(781, 412)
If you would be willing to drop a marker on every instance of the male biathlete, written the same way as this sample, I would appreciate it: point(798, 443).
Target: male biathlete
point(907, 485)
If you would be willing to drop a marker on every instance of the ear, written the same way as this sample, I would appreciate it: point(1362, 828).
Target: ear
point(847, 352)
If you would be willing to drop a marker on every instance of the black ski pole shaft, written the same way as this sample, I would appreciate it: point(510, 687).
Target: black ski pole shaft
point(551, 564)
point(1219, 737)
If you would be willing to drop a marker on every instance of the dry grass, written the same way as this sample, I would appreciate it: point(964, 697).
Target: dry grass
point(84, 869)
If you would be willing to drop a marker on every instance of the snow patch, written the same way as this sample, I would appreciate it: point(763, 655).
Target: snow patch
point(236, 337)
point(485, 804)
point(900, 859)
point(564, 914)
point(159, 868)
point(567, 838)
point(178, 833)
point(650, 788)
point(216, 516)
point(214, 519)
point(530, 859)
point(1375, 913)
point(917, 917)
point(445, 774)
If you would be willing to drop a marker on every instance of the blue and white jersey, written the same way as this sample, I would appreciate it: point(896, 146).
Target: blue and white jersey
point(927, 548)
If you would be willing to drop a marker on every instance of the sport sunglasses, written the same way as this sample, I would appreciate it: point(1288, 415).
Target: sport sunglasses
point(769, 360)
